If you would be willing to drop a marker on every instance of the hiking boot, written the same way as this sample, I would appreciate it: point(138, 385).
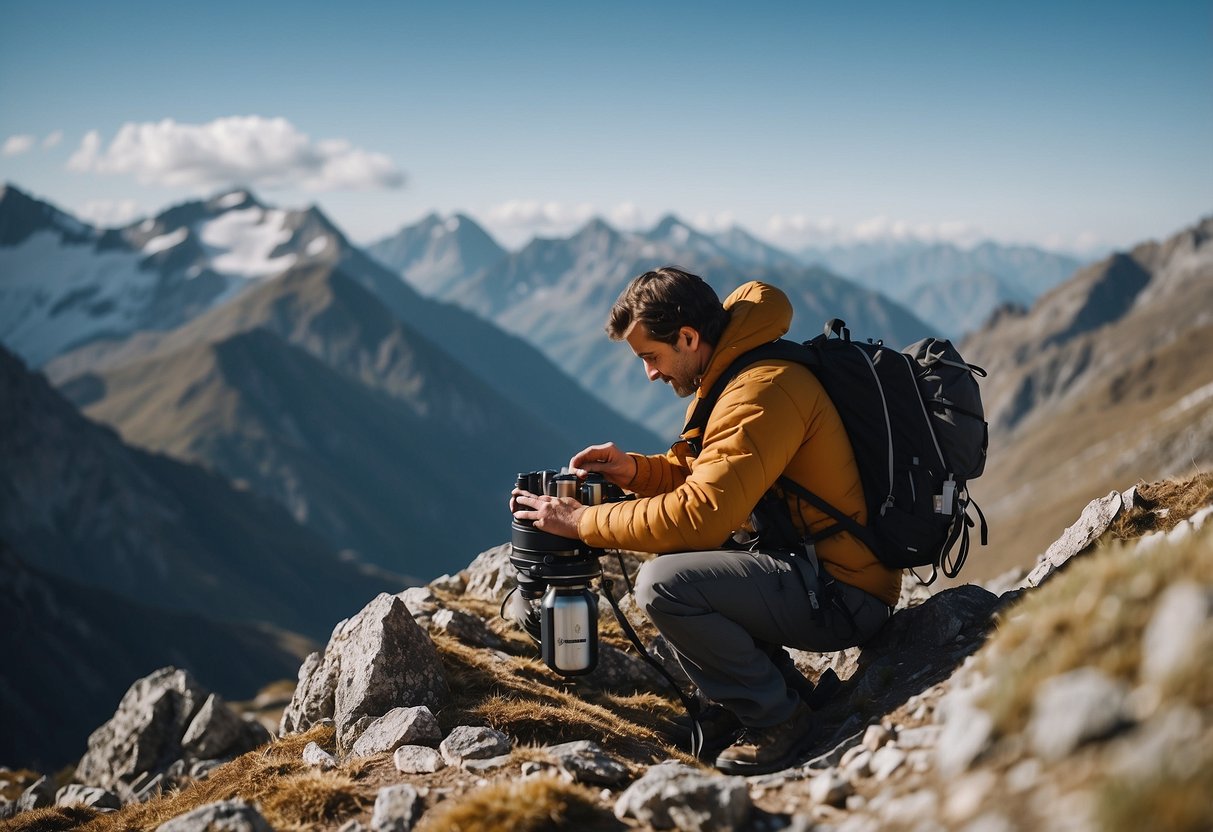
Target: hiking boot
point(764, 750)
point(720, 727)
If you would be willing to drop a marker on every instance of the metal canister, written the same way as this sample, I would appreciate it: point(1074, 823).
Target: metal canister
point(564, 485)
point(591, 492)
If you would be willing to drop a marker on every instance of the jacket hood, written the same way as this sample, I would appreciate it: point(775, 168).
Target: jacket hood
point(758, 314)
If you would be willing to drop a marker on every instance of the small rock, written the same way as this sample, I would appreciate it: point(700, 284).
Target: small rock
point(417, 759)
point(911, 808)
point(586, 762)
point(214, 730)
point(491, 574)
point(226, 816)
point(1090, 526)
point(532, 768)
point(487, 764)
point(353, 826)
point(860, 765)
point(1173, 636)
point(830, 789)
point(675, 796)
point(1023, 776)
point(473, 743)
point(965, 737)
point(394, 808)
point(399, 726)
point(1074, 707)
point(39, 795)
point(967, 795)
point(75, 794)
point(876, 736)
point(421, 603)
point(466, 628)
point(1165, 746)
point(887, 760)
point(452, 584)
point(991, 822)
point(314, 755)
point(202, 769)
point(924, 737)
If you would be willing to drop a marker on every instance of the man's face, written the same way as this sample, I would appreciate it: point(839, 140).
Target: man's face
point(677, 363)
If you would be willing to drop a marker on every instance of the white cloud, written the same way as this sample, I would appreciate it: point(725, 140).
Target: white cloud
point(249, 150)
point(713, 223)
point(539, 216)
point(797, 230)
point(627, 216)
point(16, 145)
point(52, 139)
point(108, 213)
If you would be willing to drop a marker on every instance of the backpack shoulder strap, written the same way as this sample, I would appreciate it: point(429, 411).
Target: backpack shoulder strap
point(780, 350)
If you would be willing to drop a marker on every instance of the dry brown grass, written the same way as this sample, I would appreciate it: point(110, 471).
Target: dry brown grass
point(1093, 614)
point(13, 783)
point(1176, 804)
point(520, 696)
point(535, 805)
point(291, 795)
point(1164, 505)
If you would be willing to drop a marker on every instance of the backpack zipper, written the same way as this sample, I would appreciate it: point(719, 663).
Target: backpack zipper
point(943, 463)
point(888, 427)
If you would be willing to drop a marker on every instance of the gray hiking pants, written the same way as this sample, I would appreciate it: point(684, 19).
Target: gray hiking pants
point(725, 613)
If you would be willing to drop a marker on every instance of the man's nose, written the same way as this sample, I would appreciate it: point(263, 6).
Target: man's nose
point(650, 370)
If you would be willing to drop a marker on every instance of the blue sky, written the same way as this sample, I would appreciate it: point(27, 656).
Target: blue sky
point(1071, 125)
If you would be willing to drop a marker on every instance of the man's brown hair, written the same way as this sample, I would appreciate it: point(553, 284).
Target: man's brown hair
point(664, 301)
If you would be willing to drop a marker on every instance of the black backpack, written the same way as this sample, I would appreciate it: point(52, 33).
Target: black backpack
point(919, 434)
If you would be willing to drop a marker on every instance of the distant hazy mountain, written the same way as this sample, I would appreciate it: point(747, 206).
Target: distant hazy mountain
point(1104, 381)
point(435, 254)
point(308, 390)
point(77, 502)
point(953, 289)
point(556, 293)
point(74, 648)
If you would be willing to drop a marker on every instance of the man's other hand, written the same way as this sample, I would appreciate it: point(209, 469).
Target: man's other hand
point(608, 460)
point(555, 515)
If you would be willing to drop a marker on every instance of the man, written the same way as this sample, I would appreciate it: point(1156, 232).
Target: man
point(728, 610)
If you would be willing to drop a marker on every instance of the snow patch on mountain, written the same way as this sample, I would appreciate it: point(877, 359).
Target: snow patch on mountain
point(165, 241)
point(55, 294)
point(232, 200)
point(317, 245)
point(241, 243)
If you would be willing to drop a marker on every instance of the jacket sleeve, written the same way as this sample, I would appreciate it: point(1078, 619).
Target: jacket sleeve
point(758, 424)
point(658, 473)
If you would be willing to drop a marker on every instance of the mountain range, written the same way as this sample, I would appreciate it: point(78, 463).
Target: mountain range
point(391, 424)
point(556, 294)
point(1103, 381)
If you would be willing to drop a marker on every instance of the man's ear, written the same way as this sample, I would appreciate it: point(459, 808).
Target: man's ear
point(689, 336)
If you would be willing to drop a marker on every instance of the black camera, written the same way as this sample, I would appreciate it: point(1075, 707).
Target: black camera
point(553, 602)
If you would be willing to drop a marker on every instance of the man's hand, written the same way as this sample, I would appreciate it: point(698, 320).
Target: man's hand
point(556, 515)
point(608, 460)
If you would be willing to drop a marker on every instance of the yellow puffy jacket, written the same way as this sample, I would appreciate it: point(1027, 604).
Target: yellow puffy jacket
point(771, 419)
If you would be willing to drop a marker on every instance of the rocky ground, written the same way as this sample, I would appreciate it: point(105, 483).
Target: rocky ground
point(1076, 696)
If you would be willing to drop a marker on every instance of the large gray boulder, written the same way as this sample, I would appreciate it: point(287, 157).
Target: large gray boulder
point(163, 718)
point(376, 661)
